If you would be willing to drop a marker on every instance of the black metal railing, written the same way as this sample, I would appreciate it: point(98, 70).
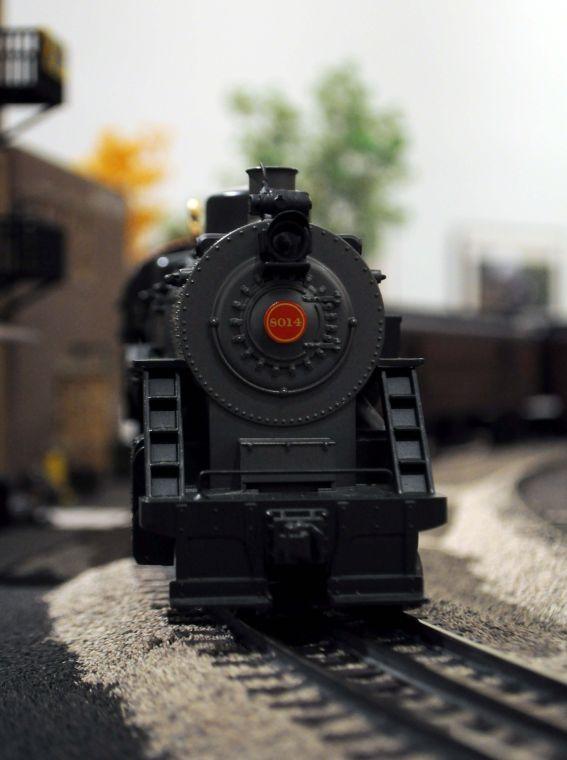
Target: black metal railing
point(374, 475)
point(31, 67)
point(30, 250)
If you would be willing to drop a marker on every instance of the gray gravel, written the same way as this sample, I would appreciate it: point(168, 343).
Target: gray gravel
point(165, 683)
point(546, 493)
point(47, 708)
point(498, 571)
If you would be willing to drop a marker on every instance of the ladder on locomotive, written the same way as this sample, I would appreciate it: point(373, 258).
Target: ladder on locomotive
point(403, 417)
point(163, 433)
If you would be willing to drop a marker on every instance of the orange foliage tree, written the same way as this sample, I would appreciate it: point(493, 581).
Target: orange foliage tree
point(131, 166)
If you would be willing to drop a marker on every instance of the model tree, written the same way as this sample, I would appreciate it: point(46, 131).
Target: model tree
point(132, 166)
point(351, 151)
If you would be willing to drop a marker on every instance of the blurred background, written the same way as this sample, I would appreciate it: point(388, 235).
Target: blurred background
point(435, 130)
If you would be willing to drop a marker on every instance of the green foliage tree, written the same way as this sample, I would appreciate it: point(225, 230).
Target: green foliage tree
point(355, 158)
point(270, 125)
point(350, 151)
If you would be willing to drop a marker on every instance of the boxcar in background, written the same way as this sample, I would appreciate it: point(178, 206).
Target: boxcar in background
point(486, 372)
point(555, 368)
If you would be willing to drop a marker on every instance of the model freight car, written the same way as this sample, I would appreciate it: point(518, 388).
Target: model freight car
point(489, 373)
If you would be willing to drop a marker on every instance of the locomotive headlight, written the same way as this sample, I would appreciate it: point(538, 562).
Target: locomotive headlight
point(288, 238)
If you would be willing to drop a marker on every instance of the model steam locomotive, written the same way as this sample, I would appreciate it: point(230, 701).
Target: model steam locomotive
point(282, 456)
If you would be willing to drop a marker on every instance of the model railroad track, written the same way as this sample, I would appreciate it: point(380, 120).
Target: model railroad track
point(445, 695)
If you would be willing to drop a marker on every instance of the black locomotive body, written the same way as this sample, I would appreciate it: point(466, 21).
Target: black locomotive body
point(283, 455)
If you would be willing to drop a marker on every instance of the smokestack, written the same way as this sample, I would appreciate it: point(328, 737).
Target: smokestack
point(279, 178)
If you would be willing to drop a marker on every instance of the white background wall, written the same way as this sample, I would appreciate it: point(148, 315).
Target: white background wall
point(483, 85)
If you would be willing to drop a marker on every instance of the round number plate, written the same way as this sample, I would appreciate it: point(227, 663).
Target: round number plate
point(285, 321)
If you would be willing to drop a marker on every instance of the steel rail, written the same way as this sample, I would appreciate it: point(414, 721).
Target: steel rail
point(484, 656)
point(357, 697)
point(460, 691)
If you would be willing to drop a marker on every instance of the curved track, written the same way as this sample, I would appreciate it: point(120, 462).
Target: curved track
point(447, 695)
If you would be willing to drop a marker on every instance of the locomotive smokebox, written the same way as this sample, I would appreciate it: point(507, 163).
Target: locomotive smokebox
point(280, 177)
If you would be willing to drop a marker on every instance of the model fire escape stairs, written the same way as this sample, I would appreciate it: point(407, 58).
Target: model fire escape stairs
point(32, 258)
point(405, 426)
point(163, 430)
point(31, 73)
